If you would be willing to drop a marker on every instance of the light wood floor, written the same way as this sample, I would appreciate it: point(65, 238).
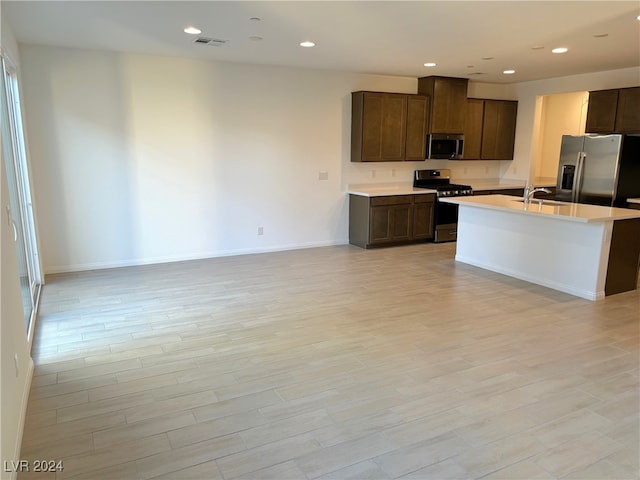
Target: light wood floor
point(332, 363)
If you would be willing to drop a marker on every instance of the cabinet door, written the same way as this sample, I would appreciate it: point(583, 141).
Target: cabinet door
point(601, 111)
point(383, 127)
point(390, 224)
point(499, 129)
point(473, 128)
point(507, 129)
point(417, 127)
point(423, 215)
point(401, 222)
point(448, 105)
point(394, 127)
point(379, 227)
point(372, 127)
point(628, 112)
point(390, 219)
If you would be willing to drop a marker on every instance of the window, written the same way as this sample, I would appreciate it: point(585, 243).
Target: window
point(19, 212)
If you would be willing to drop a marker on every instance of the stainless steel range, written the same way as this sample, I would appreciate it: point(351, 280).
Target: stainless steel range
point(446, 219)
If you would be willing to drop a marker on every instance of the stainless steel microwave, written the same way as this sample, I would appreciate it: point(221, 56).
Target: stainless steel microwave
point(444, 146)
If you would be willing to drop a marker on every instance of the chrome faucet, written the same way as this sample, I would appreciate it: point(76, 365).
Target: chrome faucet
point(530, 191)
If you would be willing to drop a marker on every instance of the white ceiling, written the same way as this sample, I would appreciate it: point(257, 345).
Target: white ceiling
point(377, 37)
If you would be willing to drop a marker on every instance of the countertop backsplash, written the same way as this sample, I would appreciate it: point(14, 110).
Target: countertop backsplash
point(399, 172)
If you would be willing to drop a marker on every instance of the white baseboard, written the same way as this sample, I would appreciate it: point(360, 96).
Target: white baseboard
point(588, 295)
point(23, 417)
point(80, 267)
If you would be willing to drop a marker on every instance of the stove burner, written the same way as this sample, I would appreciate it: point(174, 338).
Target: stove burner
point(439, 180)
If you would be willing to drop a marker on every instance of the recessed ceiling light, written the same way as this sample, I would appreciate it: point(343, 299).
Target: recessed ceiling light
point(601, 35)
point(487, 58)
point(192, 31)
point(560, 50)
point(307, 44)
point(429, 64)
point(638, 17)
point(470, 66)
point(255, 38)
point(537, 47)
point(509, 72)
point(255, 19)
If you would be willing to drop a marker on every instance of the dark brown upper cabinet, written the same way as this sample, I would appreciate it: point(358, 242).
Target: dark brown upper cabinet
point(473, 129)
point(499, 129)
point(448, 102)
point(417, 127)
point(388, 127)
point(601, 111)
point(490, 128)
point(628, 112)
point(614, 111)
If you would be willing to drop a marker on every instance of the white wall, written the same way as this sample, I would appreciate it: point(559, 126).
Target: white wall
point(141, 158)
point(562, 114)
point(15, 382)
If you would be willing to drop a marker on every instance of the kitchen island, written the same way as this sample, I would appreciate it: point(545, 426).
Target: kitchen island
point(584, 250)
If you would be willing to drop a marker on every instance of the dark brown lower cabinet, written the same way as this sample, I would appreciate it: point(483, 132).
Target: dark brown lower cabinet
point(423, 217)
point(390, 223)
point(390, 220)
point(516, 192)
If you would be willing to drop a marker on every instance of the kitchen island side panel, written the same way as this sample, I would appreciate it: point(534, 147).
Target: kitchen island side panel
point(359, 220)
point(624, 257)
point(567, 256)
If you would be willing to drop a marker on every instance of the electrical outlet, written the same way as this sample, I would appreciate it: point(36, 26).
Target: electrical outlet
point(393, 172)
point(464, 170)
point(260, 230)
point(323, 175)
point(373, 174)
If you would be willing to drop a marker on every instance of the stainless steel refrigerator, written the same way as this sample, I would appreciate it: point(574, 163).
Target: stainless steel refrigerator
point(599, 169)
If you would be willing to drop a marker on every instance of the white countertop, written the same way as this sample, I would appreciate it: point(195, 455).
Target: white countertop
point(386, 189)
point(574, 212)
point(633, 200)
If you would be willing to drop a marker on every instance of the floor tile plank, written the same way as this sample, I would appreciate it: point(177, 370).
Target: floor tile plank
point(331, 363)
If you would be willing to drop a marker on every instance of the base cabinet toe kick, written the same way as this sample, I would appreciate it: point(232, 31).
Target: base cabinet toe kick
point(583, 250)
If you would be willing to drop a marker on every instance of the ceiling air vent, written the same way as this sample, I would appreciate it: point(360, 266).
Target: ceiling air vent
point(212, 42)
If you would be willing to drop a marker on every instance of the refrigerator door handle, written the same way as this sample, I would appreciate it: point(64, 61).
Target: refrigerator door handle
point(577, 181)
point(576, 176)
